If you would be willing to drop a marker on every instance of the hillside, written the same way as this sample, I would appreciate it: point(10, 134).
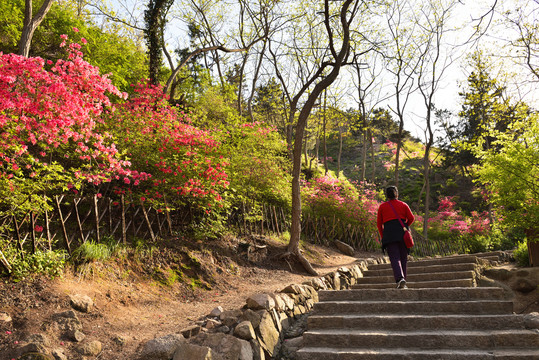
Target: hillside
point(132, 305)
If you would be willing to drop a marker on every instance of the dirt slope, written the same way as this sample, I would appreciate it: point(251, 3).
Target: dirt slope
point(136, 300)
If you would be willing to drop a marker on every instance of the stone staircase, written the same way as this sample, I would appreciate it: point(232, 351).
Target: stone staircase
point(442, 315)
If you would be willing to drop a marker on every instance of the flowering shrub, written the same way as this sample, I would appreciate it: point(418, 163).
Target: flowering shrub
point(450, 224)
point(49, 118)
point(352, 203)
point(172, 158)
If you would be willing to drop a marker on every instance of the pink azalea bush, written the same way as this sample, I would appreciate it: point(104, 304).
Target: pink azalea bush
point(355, 203)
point(451, 224)
point(49, 119)
point(170, 157)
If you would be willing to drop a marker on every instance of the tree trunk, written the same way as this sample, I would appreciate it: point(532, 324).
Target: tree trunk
point(295, 229)
point(340, 152)
point(30, 24)
point(324, 135)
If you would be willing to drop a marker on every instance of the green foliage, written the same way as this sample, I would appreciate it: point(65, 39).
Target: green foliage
point(521, 254)
point(485, 107)
point(509, 171)
point(268, 105)
point(47, 263)
point(91, 251)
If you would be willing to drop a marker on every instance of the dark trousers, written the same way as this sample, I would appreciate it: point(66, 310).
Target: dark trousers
point(398, 255)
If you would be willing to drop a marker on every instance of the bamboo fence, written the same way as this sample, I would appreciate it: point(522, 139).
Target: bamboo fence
point(76, 220)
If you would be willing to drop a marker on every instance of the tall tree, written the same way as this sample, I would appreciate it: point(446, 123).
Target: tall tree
point(338, 43)
point(155, 18)
point(434, 60)
point(401, 54)
point(482, 105)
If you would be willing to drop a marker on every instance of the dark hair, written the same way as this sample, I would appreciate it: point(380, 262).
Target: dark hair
point(392, 192)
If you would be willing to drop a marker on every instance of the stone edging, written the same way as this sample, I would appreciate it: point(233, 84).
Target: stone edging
point(258, 330)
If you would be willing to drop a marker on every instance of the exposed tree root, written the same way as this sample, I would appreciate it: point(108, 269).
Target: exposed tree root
point(302, 260)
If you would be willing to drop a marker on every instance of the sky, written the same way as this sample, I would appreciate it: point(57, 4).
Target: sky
point(454, 80)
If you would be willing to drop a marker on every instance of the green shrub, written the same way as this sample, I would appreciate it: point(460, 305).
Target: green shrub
point(91, 251)
point(521, 254)
point(48, 263)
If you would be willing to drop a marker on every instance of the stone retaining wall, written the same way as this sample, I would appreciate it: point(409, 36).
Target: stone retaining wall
point(267, 327)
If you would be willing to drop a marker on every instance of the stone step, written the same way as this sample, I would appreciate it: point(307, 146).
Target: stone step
point(478, 307)
point(453, 275)
point(416, 322)
point(439, 294)
point(456, 259)
point(330, 353)
point(430, 339)
point(421, 284)
point(424, 269)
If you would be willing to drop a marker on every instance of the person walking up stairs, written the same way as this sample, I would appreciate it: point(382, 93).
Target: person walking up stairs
point(442, 315)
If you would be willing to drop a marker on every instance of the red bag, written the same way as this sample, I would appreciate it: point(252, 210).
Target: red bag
point(408, 239)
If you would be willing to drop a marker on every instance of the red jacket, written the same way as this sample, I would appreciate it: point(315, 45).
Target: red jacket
point(385, 214)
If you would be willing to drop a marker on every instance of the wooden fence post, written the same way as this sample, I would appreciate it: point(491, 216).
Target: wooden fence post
point(33, 225)
point(75, 204)
point(18, 233)
point(47, 226)
point(109, 208)
point(124, 230)
point(64, 231)
point(152, 235)
point(96, 211)
point(4, 262)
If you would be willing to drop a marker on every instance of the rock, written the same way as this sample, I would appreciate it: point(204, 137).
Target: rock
point(190, 331)
point(120, 340)
point(227, 346)
point(212, 324)
point(36, 356)
point(268, 334)
point(290, 346)
point(252, 316)
point(531, 320)
point(260, 301)
point(216, 312)
point(162, 348)
point(316, 283)
point(58, 354)
point(188, 351)
point(497, 273)
point(524, 286)
point(289, 302)
point(67, 321)
point(92, 348)
point(280, 305)
point(336, 281)
point(258, 351)
point(75, 335)
point(39, 339)
point(244, 330)
point(292, 289)
point(344, 248)
point(32, 348)
point(230, 318)
point(82, 303)
point(223, 329)
point(4, 317)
